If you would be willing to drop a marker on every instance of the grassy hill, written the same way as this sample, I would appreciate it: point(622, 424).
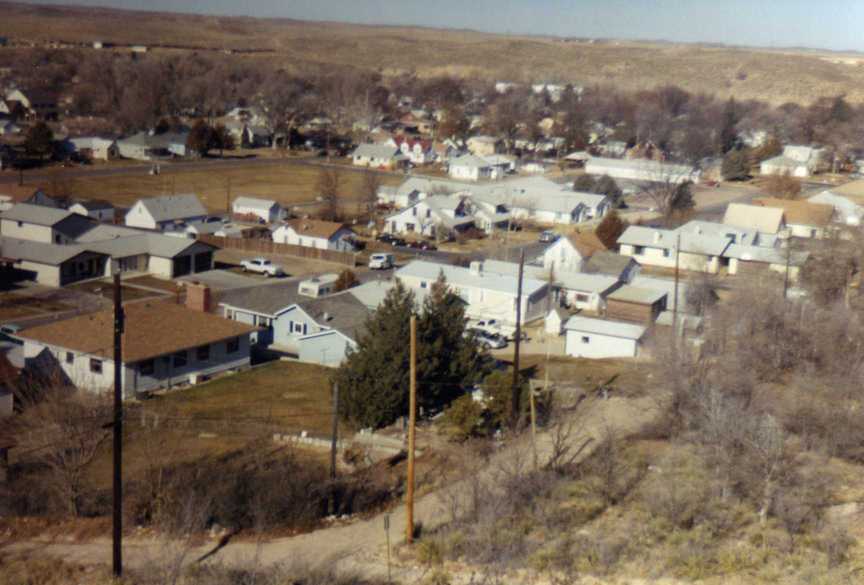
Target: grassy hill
point(773, 75)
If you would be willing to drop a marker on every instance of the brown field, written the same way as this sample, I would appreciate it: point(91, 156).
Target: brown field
point(773, 75)
point(290, 184)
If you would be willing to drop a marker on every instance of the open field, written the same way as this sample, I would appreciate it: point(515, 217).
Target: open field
point(289, 184)
point(773, 75)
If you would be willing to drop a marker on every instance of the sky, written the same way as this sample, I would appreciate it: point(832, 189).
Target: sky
point(824, 24)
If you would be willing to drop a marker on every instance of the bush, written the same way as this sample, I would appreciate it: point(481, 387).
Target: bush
point(464, 418)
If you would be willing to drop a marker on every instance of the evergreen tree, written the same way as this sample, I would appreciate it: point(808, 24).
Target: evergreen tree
point(728, 127)
point(39, 140)
point(584, 184)
point(606, 185)
point(373, 381)
point(682, 198)
point(200, 138)
point(736, 166)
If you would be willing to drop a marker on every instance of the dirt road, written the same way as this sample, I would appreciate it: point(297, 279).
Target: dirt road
point(359, 546)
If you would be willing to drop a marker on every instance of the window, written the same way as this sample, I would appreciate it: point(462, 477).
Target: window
point(586, 339)
point(147, 368)
point(203, 353)
point(582, 298)
point(96, 366)
point(414, 211)
point(638, 250)
point(57, 238)
point(423, 284)
point(180, 359)
point(667, 253)
point(70, 357)
point(428, 213)
point(232, 345)
point(20, 224)
point(297, 327)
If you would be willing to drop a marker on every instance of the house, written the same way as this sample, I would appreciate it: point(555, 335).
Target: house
point(415, 189)
point(600, 338)
point(373, 292)
point(796, 161)
point(487, 295)
point(634, 303)
point(431, 217)
point(163, 345)
point(378, 156)
point(763, 219)
point(666, 286)
point(623, 268)
point(165, 212)
point(471, 167)
point(571, 252)
point(803, 219)
point(150, 146)
point(37, 103)
point(9, 128)
point(95, 147)
point(41, 198)
point(320, 330)
point(554, 321)
point(42, 224)
point(264, 210)
point(847, 201)
point(642, 170)
point(483, 145)
point(97, 209)
point(418, 151)
point(315, 233)
point(557, 206)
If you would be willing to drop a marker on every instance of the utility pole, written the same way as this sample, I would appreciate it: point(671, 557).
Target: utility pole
point(675, 308)
point(228, 197)
point(412, 421)
point(514, 392)
point(117, 532)
point(534, 425)
point(788, 241)
point(335, 439)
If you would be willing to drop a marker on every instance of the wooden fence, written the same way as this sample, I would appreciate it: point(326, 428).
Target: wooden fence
point(264, 246)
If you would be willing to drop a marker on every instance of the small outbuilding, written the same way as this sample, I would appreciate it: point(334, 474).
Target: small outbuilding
point(599, 338)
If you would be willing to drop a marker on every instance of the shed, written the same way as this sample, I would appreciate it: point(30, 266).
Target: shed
point(600, 338)
point(632, 303)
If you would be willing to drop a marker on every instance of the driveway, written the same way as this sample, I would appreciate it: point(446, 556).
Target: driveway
point(219, 280)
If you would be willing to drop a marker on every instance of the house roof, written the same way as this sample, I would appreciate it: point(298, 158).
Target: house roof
point(693, 243)
point(263, 300)
point(36, 214)
point(606, 262)
point(853, 191)
point(342, 312)
point(800, 212)
point(661, 170)
point(372, 293)
point(151, 329)
point(315, 228)
point(604, 327)
point(377, 151)
point(638, 295)
point(95, 204)
point(470, 161)
point(767, 220)
point(38, 252)
point(459, 276)
point(254, 203)
point(586, 243)
point(766, 255)
point(663, 285)
point(170, 207)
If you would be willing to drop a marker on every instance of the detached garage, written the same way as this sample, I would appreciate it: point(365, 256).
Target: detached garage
point(598, 338)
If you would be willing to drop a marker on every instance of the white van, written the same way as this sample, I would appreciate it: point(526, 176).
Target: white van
point(381, 261)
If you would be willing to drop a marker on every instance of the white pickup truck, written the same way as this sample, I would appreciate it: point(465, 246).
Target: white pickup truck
point(262, 266)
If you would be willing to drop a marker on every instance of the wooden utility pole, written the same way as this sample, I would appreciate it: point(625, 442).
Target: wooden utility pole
point(533, 426)
point(335, 439)
point(675, 301)
point(412, 422)
point(117, 532)
point(228, 197)
point(514, 391)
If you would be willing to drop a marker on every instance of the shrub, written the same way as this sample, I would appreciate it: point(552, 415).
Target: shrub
point(464, 418)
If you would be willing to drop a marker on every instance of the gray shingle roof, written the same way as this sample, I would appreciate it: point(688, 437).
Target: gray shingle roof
point(458, 276)
point(264, 300)
point(254, 203)
point(635, 294)
point(38, 252)
point(377, 151)
point(169, 207)
point(605, 262)
point(342, 312)
point(36, 214)
point(603, 327)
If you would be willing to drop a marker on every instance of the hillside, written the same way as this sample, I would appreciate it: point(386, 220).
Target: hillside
point(775, 76)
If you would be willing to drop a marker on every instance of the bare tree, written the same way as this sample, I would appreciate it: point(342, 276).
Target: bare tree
point(672, 198)
point(328, 186)
point(369, 189)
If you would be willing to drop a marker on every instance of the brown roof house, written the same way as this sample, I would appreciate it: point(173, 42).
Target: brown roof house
point(164, 345)
point(572, 252)
point(315, 233)
point(803, 219)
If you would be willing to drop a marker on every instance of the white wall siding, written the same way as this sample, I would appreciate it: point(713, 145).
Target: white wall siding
point(26, 231)
point(596, 346)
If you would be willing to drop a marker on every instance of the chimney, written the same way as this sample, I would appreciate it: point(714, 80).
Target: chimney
point(198, 297)
point(476, 267)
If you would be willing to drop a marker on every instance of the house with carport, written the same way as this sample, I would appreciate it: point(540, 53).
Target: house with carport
point(165, 212)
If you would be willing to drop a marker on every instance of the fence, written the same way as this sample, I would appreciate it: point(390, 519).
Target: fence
point(264, 246)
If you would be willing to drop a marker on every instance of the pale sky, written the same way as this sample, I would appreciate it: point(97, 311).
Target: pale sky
point(829, 24)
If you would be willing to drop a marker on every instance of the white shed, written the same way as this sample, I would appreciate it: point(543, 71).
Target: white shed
point(555, 320)
point(599, 338)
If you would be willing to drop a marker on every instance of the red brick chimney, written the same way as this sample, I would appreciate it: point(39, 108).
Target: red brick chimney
point(198, 297)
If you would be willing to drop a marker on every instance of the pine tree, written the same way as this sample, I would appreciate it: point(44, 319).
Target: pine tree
point(373, 381)
point(606, 185)
point(736, 166)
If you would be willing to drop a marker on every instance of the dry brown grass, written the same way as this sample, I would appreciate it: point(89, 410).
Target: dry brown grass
point(776, 76)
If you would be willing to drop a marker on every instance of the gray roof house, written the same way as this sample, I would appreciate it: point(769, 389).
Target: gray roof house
point(165, 212)
point(378, 156)
point(265, 210)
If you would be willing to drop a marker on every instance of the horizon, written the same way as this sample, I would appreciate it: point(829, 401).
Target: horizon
point(625, 20)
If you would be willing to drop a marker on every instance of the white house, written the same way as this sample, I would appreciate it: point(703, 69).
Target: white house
point(97, 209)
point(471, 167)
point(415, 189)
point(571, 252)
point(37, 223)
point(96, 147)
point(642, 170)
point(847, 201)
point(483, 145)
point(266, 210)
point(149, 146)
point(487, 295)
point(165, 212)
point(417, 150)
point(555, 319)
point(164, 345)
point(796, 161)
point(599, 338)
point(429, 216)
point(765, 220)
point(315, 233)
point(378, 156)
point(803, 219)
point(657, 247)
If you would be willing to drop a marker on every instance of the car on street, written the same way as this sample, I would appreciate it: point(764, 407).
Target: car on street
point(422, 245)
point(489, 340)
point(391, 239)
point(262, 266)
point(9, 332)
point(548, 236)
point(381, 261)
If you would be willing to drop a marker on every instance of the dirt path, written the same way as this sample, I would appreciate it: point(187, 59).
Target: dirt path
point(359, 546)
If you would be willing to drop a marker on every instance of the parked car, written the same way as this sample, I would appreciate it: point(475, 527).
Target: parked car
point(391, 239)
point(422, 245)
point(381, 261)
point(548, 236)
point(262, 266)
point(487, 325)
point(8, 331)
point(489, 340)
